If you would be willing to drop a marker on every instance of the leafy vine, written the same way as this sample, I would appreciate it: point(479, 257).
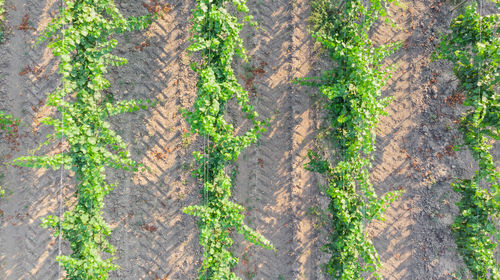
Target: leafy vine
point(80, 37)
point(8, 124)
point(354, 105)
point(473, 47)
point(215, 36)
point(2, 12)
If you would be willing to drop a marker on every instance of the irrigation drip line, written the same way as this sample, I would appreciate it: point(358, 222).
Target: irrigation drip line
point(61, 187)
point(205, 136)
point(479, 75)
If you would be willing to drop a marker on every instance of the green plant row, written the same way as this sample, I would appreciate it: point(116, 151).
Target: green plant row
point(473, 47)
point(81, 37)
point(7, 121)
point(2, 11)
point(352, 92)
point(7, 124)
point(215, 37)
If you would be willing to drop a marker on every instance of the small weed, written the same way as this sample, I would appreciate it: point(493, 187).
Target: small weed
point(461, 273)
point(186, 166)
point(433, 117)
point(186, 140)
point(235, 172)
point(250, 275)
point(322, 218)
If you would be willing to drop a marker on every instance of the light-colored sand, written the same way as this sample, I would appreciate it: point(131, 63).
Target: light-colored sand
point(152, 237)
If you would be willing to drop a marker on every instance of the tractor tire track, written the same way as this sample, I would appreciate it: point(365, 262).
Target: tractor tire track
point(416, 241)
point(28, 251)
point(272, 183)
point(154, 238)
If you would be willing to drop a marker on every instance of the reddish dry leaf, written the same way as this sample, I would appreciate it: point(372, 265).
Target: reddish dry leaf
point(149, 228)
point(455, 99)
point(25, 23)
point(155, 7)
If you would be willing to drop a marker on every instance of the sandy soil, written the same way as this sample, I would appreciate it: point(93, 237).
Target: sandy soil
point(272, 183)
point(414, 151)
point(152, 237)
